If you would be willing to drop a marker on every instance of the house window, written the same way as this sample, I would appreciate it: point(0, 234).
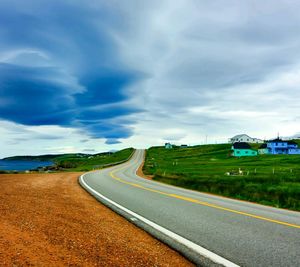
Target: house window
point(246, 152)
point(238, 152)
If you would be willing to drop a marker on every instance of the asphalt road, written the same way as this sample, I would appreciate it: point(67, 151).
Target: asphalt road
point(244, 233)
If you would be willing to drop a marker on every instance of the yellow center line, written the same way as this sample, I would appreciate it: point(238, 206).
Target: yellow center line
point(188, 199)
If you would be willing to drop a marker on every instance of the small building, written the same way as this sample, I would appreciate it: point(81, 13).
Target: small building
point(244, 138)
point(168, 146)
point(243, 149)
point(263, 149)
point(293, 148)
point(279, 146)
point(183, 146)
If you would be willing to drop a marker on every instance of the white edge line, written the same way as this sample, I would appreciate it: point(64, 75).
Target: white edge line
point(198, 249)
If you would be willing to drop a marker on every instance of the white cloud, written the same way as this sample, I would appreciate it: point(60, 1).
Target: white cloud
point(18, 139)
point(216, 73)
point(211, 70)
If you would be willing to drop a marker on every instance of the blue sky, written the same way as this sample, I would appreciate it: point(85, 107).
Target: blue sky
point(80, 76)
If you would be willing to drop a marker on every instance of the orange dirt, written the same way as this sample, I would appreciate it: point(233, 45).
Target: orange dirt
point(49, 220)
point(140, 172)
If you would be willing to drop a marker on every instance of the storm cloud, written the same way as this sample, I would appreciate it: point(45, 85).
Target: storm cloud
point(59, 66)
point(139, 73)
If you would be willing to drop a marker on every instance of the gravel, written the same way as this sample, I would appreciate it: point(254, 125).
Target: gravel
point(49, 220)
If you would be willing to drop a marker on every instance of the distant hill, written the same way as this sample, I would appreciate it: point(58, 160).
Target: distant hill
point(51, 157)
point(78, 161)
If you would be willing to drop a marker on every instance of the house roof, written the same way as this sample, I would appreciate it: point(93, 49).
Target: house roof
point(263, 145)
point(246, 135)
point(277, 140)
point(241, 145)
point(292, 143)
point(240, 135)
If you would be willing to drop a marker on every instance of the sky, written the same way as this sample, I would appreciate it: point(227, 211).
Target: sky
point(92, 76)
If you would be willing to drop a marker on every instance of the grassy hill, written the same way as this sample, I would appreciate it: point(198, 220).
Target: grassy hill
point(268, 179)
point(90, 162)
point(49, 157)
point(79, 161)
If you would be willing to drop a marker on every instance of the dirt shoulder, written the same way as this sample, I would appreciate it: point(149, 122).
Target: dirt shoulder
point(49, 220)
point(140, 172)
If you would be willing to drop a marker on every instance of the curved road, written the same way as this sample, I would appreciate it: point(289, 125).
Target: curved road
point(239, 232)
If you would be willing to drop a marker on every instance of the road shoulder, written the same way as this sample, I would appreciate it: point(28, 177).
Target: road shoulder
point(48, 219)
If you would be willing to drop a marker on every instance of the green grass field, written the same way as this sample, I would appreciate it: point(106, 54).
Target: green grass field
point(267, 179)
point(78, 161)
point(89, 162)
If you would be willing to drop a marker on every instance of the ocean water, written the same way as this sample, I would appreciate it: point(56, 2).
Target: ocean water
point(20, 165)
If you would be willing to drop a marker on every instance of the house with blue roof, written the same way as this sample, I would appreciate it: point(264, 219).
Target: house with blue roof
point(279, 146)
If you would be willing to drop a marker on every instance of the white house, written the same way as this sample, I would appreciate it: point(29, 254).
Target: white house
point(244, 138)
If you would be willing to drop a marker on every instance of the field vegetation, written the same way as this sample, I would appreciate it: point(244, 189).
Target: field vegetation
point(90, 162)
point(80, 162)
point(266, 179)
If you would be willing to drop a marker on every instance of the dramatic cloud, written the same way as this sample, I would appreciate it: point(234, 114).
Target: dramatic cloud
point(139, 73)
point(220, 68)
point(59, 66)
